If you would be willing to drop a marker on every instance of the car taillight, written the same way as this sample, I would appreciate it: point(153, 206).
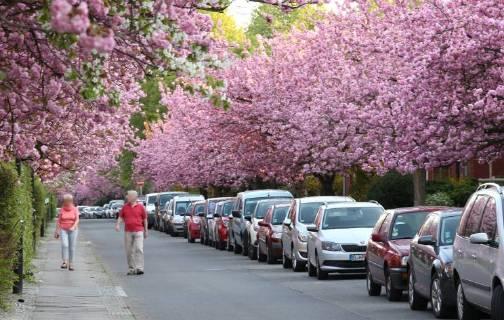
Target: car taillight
point(395, 260)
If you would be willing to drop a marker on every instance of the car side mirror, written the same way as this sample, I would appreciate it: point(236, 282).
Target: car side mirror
point(376, 237)
point(427, 240)
point(312, 228)
point(230, 216)
point(262, 224)
point(287, 222)
point(248, 218)
point(236, 214)
point(201, 214)
point(479, 238)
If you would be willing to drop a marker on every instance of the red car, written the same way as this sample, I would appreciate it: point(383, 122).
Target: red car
point(269, 235)
point(221, 223)
point(193, 223)
point(389, 247)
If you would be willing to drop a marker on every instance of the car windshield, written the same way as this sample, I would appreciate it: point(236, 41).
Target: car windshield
point(181, 207)
point(406, 225)
point(263, 206)
point(164, 198)
point(308, 211)
point(227, 208)
point(279, 215)
point(353, 217)
point(251, 204)
point(199, 208)
point(151, 200)
point(449, 227)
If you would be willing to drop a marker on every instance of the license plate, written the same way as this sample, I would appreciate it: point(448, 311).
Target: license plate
point(357, 257)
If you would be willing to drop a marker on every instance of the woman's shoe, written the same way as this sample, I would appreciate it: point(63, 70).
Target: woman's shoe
point(64, 265)
point(71, 269)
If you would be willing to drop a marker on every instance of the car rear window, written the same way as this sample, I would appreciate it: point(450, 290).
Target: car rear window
point(406, 225)
point(308, 211)
point(279, 215)
point(449, 227)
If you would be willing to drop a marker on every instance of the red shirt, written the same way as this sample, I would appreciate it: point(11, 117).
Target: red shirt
point(133, 217)
point(67, 217)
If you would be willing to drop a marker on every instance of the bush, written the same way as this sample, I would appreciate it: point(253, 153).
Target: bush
point(457, 190)
point(439, 199)
point(393, 190)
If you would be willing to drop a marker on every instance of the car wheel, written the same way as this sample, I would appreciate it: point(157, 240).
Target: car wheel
point(465, 311)
point(321, 274)
point(185, 234)
point(392, 293)
point(237, 248)
point(286, 262)
point(190, 239)
point(416, 302)
point(269, 256)
point(311, 269)
point(229, 246)
point(245, 248)
point(297, 265)
point(373, 288)
point(252, 252)
point(439, 308)
point(260, 257)
point(497, 303)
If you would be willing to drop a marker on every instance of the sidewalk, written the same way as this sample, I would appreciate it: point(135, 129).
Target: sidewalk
point(88, 293)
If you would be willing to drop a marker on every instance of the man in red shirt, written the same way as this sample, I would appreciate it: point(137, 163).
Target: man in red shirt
point(135, 230)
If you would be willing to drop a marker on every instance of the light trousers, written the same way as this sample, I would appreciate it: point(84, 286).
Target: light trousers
point(68, 243)
point(133, 242)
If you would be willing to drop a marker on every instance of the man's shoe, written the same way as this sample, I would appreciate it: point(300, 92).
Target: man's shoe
point(131, 272)
point(139, 272)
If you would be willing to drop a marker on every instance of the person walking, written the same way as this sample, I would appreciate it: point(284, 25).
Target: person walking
point(67, 230)
point(134, 216)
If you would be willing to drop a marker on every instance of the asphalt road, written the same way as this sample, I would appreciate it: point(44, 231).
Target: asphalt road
point(189, 281)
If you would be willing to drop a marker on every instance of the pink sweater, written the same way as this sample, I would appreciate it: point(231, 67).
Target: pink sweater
point(67, 217)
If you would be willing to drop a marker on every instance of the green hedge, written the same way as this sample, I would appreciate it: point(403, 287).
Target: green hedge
point(19, 194)
point(393, 190)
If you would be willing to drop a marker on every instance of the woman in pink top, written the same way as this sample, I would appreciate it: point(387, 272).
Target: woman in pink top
point(66, 229)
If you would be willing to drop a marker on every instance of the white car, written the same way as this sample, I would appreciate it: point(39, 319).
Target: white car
point(295, 235)
point(176, 211)
point(337, 240)
point(260, 211)
point(150, 207)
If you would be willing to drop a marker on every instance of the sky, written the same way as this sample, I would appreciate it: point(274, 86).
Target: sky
point(241, 11)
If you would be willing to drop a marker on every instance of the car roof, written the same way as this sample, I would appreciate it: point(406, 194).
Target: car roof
point(281, 205)
point(226, 201)
point(325, 199)
point(219, 199)
point(417, 209)
point(352, 205)
point(272, 200)
point(173, 192)
point(265, 193)
point(151, 194)
point(449, 212)
point(189, 197)
point(199, 202)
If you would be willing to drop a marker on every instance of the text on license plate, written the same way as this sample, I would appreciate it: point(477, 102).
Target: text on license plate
point(357, 257)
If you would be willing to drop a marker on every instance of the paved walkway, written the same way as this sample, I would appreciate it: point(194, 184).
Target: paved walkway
point(88, 293)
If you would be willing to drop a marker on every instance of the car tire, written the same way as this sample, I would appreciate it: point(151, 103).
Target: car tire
point(270, 259)
point(252, 252)
point(286, 262)
point(439, 308)
point(229, 245)
point(321, 274)
point(392, 293)
point(497, 309)
point(236, 248)
point(416, 302)
point(311, 268)
point(245, 248)
point(260, 257)
point(190, 239)
point(373, 288)
point(185, 235)
point(297, 266)
point(465, 311)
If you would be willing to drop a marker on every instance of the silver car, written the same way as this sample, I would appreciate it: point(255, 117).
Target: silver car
point(295, 235)
point(478, 262)
point(338, 238)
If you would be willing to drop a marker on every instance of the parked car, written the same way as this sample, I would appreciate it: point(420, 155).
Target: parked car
point(478, 263)
point(430, 264)
point(242, 215)
point(192, 224)
point(269, 235)
point(294, 236)
point(221, 222)
point(174, 217)
point(388, 250)
point(163, 198)
point(260, 211)
point(337, 239)
point(151, 207)
point(116, 208)
point(105, 208)
point(98, 212)
point(207, 222)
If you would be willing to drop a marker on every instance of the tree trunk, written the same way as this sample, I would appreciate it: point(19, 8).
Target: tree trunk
point(326, 182)
point(419, 177)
